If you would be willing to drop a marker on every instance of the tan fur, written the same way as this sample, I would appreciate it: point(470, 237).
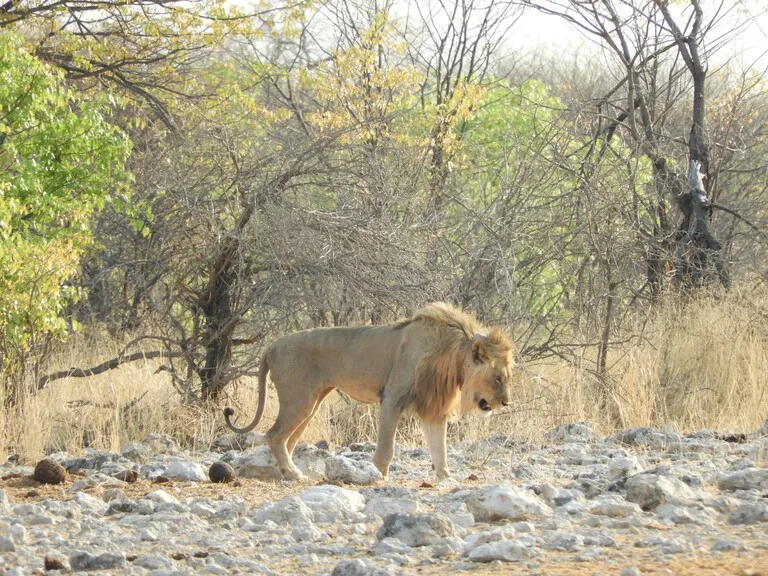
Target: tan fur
point(439, 362)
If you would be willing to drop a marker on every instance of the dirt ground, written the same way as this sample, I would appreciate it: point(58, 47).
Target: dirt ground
point(23, 489)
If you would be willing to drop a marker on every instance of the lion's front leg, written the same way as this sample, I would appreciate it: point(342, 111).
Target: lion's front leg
point(435, 433)
point(389, 416)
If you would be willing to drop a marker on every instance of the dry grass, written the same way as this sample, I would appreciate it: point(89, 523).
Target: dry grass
point(700, 363)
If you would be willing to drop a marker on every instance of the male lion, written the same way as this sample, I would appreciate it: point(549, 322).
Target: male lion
point(436, 363)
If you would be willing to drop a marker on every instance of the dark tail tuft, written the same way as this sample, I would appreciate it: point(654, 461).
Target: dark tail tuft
point(228, 412)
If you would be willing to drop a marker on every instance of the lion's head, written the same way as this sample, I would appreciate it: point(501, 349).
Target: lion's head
point(469, 369)
point(488, 372)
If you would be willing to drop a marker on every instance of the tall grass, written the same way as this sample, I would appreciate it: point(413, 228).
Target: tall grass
point(700, 363)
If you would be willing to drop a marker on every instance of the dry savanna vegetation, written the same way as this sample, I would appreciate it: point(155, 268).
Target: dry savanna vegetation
point(182, 182)
point(695, 364)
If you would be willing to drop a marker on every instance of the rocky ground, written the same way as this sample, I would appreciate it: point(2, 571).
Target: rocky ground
point(645, 501)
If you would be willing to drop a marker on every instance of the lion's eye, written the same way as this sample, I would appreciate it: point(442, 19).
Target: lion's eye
point(498, 380)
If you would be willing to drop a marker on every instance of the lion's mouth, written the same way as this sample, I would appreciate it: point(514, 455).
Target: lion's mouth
point(484, 406)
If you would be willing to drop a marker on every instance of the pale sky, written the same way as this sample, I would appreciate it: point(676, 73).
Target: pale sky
point(748, 45)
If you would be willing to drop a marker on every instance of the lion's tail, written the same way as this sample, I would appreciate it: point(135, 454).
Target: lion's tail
point(229, 412)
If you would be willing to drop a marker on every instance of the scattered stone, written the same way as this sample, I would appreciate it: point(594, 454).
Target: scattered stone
point(651, 490)
point(729, 544)
point(630, 571)
point(7, 544)
point(648, 437)
point(49, 471)
point(258, 463)
point(505, 503)
point(348, 471)
point(385, 506)
point(623, 467)
point(81, 560)
point(567, 502)
point(360, 567)
point(93, 480)
point(682, 515)
point(136, 452)
point(749, 513)
point(290, 511)
point(221, 472)
point(504, 550)
point(570, 432)
point(332, 503)
point(186, 472)
point(556, 496)
point(565, 542)
point(746, 479)
point(310, 460)
point(416, 529)
point(5, 506)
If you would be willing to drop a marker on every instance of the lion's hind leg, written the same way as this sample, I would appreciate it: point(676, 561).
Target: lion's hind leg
point(296, 436)
point(292, 414)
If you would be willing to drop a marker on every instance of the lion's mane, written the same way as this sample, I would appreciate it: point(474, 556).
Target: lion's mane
point(440, 374)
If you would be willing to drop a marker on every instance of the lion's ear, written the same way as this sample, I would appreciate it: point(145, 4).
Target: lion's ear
point(479, 351)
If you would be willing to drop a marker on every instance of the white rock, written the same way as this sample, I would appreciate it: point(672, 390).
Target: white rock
point(505, 503)
point(186, 472)
point(290, 511)
point(147, 534)
point(683, 515)
point(5, 505)
point(652, 490)
point(729, 544)
point(623, 466)
point(93, 480)
point(202, 509)
point(613, 506)
point(161, 497)
point(570, 432)
point(385, 506)
point(349, 471)
point(7, 544)
point(504, 550)
point(152, 562)
point(462, 519)
point(307, 533)
point(391, 545)
point(90, 504)
point(114, 495)
point(361, 567)
point(258, 463)
point(81, 560)
point(746, 479)
point(332, 503)
point(17, 533)
point(556, 496)
point(749, 513)
point(472, 541)
point(310, 460)
point(565, 541)
point(416, 529)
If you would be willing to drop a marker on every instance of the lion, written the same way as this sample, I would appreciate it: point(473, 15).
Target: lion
point(437, 363)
